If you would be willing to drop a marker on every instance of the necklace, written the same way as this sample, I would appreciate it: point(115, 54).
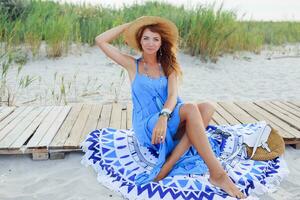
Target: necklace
point(146, 68)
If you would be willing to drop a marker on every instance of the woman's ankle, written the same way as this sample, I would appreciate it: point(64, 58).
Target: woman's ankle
point(217, 173)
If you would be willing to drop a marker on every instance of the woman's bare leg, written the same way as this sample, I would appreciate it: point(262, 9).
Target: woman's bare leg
point(206, 110)
point(196, 136)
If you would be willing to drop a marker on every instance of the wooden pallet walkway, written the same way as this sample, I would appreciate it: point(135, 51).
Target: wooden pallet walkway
point(51, 131)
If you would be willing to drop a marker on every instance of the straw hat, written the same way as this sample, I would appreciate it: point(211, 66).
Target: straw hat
point(131, 32)
point(276, 145)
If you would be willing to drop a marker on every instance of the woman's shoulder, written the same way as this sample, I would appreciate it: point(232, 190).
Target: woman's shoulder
point(128, 63)
point(131, 65)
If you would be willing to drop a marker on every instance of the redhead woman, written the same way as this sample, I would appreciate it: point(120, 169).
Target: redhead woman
point(161, 120)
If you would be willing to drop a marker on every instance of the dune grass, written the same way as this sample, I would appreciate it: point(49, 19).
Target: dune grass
point(205, 31)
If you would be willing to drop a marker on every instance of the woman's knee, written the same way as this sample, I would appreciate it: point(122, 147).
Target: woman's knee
point(189, 109)
point(206, 108)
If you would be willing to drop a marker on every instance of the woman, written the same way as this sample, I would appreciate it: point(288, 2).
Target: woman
point(160, 119)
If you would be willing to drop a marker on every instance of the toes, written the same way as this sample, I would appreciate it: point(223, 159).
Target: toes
point(240, 195)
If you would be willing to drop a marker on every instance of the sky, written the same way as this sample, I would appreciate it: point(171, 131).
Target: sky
point(264, 10)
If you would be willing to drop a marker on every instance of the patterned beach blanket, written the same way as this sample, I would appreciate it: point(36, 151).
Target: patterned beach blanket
point(117, 158)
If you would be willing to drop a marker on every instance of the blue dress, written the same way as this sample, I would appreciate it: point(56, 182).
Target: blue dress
point(148, 97)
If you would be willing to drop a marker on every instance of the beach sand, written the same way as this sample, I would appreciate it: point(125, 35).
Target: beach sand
point(243, 76)
point(273, 74)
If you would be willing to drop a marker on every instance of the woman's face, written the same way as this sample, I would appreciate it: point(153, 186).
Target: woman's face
point(150, 42)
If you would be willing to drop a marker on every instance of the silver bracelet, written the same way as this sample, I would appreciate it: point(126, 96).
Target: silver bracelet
point(167, 110)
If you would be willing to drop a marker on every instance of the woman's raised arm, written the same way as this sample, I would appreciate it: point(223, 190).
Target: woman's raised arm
point(103, 41)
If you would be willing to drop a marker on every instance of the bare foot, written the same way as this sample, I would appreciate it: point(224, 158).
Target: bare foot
point(224, 182)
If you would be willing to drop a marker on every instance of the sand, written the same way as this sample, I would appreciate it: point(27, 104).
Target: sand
point(244, 76)
point(89, 76)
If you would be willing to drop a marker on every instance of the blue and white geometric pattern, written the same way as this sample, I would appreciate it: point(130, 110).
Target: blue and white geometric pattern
point(117, 158)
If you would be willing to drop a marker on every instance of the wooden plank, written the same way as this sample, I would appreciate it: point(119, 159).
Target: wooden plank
point(229, 118)
point(296, 103)
point(285, 130)
point(31, 128)
point(290, 105)
point(43, 128)
point(19, 129)
point(115, 121)
point(282, 111)
point(123, 118)
point(15, 122)
point(11, 117)
point(51, 132)
point(129, 116)
point(91, 123)
point(15, 151)
point(290, 142)
point(260, 114)
point(105, 116)
point(64, 131)
point(31, 151)
point(5, 112)
point(237, 112)
point(293, 113)
point(72, 140)
point(65, 150)
point(219, 119)
point(284, 117)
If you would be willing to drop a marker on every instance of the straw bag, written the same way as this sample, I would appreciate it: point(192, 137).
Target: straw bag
point(275, 148)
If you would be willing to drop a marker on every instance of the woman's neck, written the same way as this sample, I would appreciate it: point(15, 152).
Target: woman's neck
point(150, 59)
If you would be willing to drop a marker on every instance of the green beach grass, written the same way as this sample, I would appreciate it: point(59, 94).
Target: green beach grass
point(205, 31)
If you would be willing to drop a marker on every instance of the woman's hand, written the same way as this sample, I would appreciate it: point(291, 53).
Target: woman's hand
point(111, 34)
point(159, 131)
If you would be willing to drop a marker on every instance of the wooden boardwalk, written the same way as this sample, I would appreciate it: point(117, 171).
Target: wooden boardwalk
point(51, 131)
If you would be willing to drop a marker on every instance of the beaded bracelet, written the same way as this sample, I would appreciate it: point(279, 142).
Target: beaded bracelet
point(164, 113)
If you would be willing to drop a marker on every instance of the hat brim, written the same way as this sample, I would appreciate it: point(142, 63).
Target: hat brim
point(169, 27)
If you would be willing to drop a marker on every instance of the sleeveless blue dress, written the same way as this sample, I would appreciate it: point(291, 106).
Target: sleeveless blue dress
point(148, 97)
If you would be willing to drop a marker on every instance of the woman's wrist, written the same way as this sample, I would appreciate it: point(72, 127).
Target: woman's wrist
point(126, 25)
point(166, 113)
point(164, 118)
